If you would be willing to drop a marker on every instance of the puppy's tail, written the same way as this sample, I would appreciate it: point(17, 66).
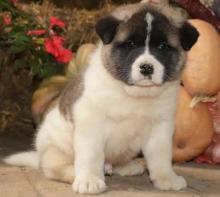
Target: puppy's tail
point(30, 159)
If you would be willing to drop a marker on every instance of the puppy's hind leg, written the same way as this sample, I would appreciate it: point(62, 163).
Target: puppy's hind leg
point(57, 165)
point(132, 168)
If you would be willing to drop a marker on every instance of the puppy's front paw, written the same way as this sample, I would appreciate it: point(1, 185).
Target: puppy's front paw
point(169, 182)
point(89, 185)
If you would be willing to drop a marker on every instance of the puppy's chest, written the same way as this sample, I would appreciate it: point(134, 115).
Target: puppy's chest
point(127, 125)
point(125, 139)
point(128, 121)
point(125, 108)
point(126, 132)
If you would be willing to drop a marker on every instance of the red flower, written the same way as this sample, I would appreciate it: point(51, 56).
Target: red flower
point(38, 32)
point(54, 46)
point(56, 22)
point(65, 55)
point(204, 159)
point(6, 20)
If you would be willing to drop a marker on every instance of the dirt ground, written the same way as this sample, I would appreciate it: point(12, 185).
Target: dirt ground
point(26, 182)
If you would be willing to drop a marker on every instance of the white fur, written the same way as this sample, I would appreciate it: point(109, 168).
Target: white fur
point(24, 159)
point(112, 123)
point(130, 169)
point(56, 130)
point(149, 19)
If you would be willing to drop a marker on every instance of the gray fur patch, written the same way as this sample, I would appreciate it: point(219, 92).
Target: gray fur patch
point(70, 95)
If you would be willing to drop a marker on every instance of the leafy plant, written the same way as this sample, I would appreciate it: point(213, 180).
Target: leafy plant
point(31, 43)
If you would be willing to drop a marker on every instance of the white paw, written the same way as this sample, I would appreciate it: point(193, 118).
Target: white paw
point(131, 169)
point(169, 182)
point(89, 185)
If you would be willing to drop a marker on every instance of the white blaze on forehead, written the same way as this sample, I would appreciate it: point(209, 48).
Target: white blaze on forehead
point(149, 19)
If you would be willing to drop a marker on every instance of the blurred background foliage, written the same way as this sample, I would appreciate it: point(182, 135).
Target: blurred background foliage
point(85, 4)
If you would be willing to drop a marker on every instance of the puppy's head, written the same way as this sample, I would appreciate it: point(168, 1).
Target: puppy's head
point(143, 47)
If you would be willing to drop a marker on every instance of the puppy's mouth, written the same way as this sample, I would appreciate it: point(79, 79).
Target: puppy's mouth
point(148, 86)
point(145, 84)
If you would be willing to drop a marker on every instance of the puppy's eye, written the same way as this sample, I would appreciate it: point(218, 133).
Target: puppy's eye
point(163, 46)
point(130, 44)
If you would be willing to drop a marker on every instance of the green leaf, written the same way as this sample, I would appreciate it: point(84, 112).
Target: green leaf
point(19, 63)
point(15, 49)
point(35, 68)
point(22, 38)
point(48, 71)
point(40, 41)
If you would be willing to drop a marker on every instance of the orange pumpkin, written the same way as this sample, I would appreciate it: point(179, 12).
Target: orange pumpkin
point(202, 73)
point(83, 53)
point(46, 95)
point(194, 129)
point(80, 60)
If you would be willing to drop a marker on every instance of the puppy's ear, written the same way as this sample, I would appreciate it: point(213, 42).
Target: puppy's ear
point(188, 36)
point(106, 28)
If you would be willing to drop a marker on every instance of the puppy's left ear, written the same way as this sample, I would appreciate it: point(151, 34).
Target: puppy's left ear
point(106, 28)
point(188, 36)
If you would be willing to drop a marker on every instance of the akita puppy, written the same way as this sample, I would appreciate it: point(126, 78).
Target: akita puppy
point(122, 104)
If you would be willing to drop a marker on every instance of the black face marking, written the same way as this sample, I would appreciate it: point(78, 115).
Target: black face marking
point(160, 48)
point(106, 28)
point(127, 40)
point(124, 53)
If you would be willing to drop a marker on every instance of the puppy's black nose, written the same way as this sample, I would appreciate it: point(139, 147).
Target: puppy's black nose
point(146, 69)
